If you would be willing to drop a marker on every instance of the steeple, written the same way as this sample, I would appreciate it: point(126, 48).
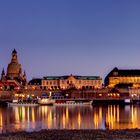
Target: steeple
point(3, 72)
point(24, 76)
point(14, 51)
point(3, 75)
point(14, 57)
point(20, 74)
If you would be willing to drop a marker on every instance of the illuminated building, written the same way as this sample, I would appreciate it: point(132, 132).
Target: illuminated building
point(14, 69)
point(134, 92)
point(71, 81)
point(126, 78)
point(35, 84)
point(14, 78)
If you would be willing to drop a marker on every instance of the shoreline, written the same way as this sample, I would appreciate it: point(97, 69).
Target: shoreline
point(65, 134)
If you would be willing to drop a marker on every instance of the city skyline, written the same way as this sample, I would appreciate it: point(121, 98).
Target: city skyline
point(70, 37)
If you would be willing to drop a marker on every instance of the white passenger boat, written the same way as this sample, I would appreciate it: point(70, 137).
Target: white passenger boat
point(46, 101)
point(17, 103)
point(127, 101)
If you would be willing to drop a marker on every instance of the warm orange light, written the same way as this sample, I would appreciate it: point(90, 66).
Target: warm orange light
point(118, 94)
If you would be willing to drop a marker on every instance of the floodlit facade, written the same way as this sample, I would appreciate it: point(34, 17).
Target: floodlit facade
point(71, 81)
point(119, 77)
point(14, 78)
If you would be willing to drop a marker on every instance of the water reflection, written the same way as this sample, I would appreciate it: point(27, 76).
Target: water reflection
point(69, 117)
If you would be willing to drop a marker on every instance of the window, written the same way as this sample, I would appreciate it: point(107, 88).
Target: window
point(43, 82)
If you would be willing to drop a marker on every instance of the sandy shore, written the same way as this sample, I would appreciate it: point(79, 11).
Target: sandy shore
point(133, 134)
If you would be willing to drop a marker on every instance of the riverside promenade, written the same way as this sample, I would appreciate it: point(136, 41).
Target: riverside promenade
point(98, 96)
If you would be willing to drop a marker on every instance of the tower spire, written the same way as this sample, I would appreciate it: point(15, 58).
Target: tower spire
point(3, 74)
point(24, 76)
point(14, 57)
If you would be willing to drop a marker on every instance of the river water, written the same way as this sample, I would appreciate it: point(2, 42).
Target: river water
point(13, 119)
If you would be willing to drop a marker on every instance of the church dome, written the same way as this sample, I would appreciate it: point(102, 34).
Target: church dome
point(14, 68)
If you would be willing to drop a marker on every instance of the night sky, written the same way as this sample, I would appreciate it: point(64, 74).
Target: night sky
point(61, 37)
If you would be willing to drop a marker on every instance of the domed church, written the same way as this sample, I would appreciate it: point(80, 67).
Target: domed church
point(14, 70)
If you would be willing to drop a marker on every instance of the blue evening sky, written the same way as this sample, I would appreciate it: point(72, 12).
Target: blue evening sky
point(60, 37)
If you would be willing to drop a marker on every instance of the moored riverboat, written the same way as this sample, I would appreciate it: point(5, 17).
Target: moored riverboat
point(46, 101)
point(21, 103)
point(73, 102)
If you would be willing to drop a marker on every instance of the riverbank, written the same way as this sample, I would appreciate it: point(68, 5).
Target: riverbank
point(127, 134)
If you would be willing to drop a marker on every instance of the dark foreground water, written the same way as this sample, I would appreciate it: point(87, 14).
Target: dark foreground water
point(14, 119)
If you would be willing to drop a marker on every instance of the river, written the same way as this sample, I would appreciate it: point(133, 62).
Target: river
point(13, 119)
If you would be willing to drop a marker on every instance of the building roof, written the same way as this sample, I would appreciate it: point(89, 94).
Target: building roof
point(88, 77)
point(129, 72)
point(10, 82)
point(125, 72)
point(75, 76)
point(36, 81)
point(52, 78)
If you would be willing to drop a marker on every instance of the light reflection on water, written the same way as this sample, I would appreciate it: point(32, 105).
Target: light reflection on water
point(69, 117)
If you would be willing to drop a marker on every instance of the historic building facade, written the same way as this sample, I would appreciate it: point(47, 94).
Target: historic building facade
point(14, 78)
point(121, 77)
point(71, 81)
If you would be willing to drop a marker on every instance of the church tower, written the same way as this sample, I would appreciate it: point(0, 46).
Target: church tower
point(3, 75)
point(24, 76)
point(14, 68)
point(14, 57)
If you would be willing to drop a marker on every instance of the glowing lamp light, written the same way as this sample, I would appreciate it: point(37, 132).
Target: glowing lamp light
point(50, 93)
point(118, 94)
point(16, 95)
